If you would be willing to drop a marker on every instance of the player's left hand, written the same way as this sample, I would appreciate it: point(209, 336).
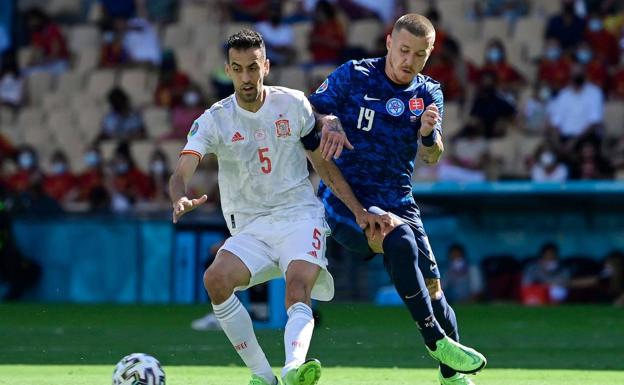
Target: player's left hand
point(377, 225)
point(333, 137)
point(429, 119)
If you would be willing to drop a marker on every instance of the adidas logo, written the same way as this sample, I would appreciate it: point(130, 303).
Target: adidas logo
point(312, 253)
point(237, 137)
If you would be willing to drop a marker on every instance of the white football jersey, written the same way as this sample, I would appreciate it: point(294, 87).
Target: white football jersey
point(262, 162)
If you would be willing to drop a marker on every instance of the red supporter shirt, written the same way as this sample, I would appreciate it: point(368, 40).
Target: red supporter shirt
point(597, 73)
point(556, 74)
point(49, 37)
point(617, 84)
point(134, 183)
point(170, 94)
point(604, 45)
point(58, 186)
point(331, 31)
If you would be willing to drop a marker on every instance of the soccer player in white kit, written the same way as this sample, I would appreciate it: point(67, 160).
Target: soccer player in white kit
point(259, 135)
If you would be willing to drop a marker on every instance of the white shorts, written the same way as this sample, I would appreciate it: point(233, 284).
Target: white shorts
point(267, 246)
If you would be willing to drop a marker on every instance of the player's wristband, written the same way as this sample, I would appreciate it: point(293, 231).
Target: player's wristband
point(428, 140)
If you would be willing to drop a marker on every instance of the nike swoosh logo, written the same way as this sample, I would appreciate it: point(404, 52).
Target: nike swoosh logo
point(475, 359)
point(411, 296)
point(366, 97)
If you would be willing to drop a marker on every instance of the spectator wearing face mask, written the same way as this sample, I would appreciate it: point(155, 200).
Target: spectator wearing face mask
point(566, 27)
point(172, 83)
point(11, 83)
point(141, 42)
point(129, 183)
point(569, 122)
point(49, 47)
point(509, 79)
point(159, 173)
point(544, 280)
point(602, 41)
point(93, 175)
point(555, 68)
point(534, 109)
point(463, 281)
point(183, 116)
point(278, 36)
point(122, 122)
point(60, 183)
point(547, 167)
point(28, 172)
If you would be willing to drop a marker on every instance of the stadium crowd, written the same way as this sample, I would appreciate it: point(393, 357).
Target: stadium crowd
point(97, 96)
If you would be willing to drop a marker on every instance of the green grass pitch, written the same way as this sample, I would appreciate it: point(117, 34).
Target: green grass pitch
point(51, 344)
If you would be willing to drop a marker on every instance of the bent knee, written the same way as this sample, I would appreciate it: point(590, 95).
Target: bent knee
point(218, 284)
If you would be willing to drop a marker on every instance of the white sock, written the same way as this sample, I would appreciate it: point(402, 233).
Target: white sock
point(297, 335)
point(236, 324)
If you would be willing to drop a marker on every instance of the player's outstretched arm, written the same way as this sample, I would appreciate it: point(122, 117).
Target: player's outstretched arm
point(187, 164)
point(333, 136)
point(432, 146)
point(333, 178)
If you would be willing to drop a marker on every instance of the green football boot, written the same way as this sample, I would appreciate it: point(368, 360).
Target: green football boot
point(257, 380)
point(457, 379)
point(307, 374)
point(460, 358)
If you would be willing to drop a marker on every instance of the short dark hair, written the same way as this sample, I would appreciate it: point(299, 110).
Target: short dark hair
point(245, 39)
point(416, 24)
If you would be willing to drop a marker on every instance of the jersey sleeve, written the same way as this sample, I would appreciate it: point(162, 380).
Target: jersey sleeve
point(307, 117)
point(330, 94)
point(202, 139)
point(438, 98)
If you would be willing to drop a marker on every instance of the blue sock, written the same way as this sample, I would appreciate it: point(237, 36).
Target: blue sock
point(401, 255)
point(445, 314)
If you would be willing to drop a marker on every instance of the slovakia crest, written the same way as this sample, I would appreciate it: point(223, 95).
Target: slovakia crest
point(323, 87)
point(395, 107)
point(417, 106)
point(282, 128)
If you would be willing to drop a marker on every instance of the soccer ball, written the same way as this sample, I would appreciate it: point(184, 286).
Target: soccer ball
point(138, 369)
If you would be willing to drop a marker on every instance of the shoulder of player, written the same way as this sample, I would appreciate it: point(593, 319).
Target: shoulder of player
point(361, 66)
point(285, 92)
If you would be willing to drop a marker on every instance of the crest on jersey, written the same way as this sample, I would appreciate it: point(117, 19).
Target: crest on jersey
point(282, 128)
point(395, 107)
point(417, 106)
point(323, 87)
point(194, 129)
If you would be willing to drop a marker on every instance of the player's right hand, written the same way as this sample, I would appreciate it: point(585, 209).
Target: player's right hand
point(184, 205)
point(333, 137)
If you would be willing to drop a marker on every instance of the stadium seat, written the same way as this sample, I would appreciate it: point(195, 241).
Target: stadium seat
point(614, 118)
point(529, 33)
point(100, 83)
point(494, 28)
point(474, 51)
point(90, 121)
point(189, 60)
point(176, 35)
point(38, 84)
point(419, 6)
point(69, 84)
point(157, 121)
point(452, 122)
point(30, 117)
point(142, 151)
point(83, 36)
point(172, 149)
point(195, 13)
point(464, 30)
point(87, 60)
point(40, 138)
point(23, 56)
point(136, 82)
point(293, 77)
point(451, 11)
point(107, 148)
point(63, 7)
point(364, 33)
point(205, 35)
point(302, 31)
point(232, 28)
point(60, 121)
point(504, 151)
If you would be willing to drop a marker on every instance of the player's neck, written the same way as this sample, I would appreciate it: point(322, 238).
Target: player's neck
point(253, 106)
point(390, 75)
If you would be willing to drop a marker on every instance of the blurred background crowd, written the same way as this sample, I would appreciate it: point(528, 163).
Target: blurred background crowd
point(96, 97)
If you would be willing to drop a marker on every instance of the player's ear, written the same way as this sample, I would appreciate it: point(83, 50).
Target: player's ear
point(389, 41)
point(228, 70)
point(267, 67)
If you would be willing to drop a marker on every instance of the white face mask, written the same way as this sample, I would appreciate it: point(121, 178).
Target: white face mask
point(458, 264)
point(158, 167)
point(547, 159)
point(191, 98)
point(58, 168)
point(26, 160)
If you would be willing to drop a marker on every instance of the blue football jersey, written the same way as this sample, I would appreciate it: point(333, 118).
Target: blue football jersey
point(381, 120)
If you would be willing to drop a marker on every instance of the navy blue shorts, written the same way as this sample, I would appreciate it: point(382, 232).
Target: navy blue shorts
point(348, 234)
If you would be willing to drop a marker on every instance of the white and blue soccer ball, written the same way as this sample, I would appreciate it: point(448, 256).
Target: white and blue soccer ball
point(138, 369)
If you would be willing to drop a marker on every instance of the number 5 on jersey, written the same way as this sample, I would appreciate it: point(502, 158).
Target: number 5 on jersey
point(265, 161)
point(368, 115)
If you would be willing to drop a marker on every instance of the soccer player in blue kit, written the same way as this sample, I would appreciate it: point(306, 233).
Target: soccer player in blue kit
point(385, 105)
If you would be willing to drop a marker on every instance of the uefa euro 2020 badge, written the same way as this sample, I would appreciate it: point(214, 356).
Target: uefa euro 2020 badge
point(194, 129)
